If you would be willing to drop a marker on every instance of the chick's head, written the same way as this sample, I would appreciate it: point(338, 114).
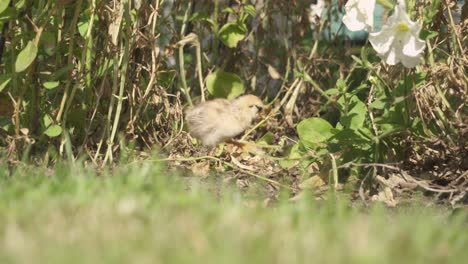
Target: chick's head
point(249, 106)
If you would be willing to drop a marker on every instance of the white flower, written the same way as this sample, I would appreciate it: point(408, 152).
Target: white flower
point(315, 13)
point(399, 41)
point(359, 14)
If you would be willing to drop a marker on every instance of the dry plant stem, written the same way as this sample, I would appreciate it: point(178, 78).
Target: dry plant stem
point(371, 117)
point(232, 166)
point(89, 45)
point(200, 70)
point(115, 77)
point(455, 35)
point(71, 47)
point(155, 16)
point(445, 101)
point(283, 86)
point(123, 79)
point(93, 115)
point(85, 56)
point(215, 30)
point(405, 175)
point(289, 107)
point(297, 82)
point(314, 48)
point(150, 83)
point(183, 81)
point(335, 171)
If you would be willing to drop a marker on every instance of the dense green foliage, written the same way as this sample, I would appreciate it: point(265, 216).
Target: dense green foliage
point(77, 75)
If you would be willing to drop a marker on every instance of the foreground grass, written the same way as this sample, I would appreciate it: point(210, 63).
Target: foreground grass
point(139, 214)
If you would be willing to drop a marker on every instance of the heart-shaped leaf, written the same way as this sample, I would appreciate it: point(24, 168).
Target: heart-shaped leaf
point(225, 85)
point(314, 130)
point(53, 131)
point(231, 33)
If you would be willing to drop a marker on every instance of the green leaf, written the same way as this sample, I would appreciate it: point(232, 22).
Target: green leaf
point(332, 91)
point(250, 9)
point(231, 33)
point(53, 131)
point(350, 137)
point(293, 156)
point(314, 130)
point(26, 57)
point(225, 85)
point(3, 5)
point(107, 65)
point(202, 17)
point(341, 85)
point(428, 34)
point(4, 80)
point(267, 139)
point(8, 14)
point(20, 4)
point(357, 112)
point(83, 27)
point(51, 85)
point(228, 10)
point(47, 120)
point(379, 104)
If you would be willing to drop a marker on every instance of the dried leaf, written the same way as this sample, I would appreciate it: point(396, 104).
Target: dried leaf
point(312, 183)
point(273, 72)
point(200, 168)
point(240, 165)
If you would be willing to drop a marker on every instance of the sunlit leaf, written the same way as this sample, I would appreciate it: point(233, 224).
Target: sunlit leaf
point(47, 120)
point(83, 27)
point(51, 85)
point(332, 91)
point(357, 112)
point(3, 5)
point(26, 57)
point(53, 131)
point(228, 10)
point(250, 9)
point(314, 130)
point(225, 85)
point(231, 33)
point(4, 80)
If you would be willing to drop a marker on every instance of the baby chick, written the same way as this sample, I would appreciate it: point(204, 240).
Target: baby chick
point(218, 120)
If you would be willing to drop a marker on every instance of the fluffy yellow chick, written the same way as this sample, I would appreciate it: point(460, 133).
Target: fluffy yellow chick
point(218, 120)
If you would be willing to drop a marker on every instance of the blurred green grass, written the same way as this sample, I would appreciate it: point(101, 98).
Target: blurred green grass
point(140, 213)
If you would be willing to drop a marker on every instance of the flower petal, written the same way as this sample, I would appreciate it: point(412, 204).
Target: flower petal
point(413, 46)
point(399, 41)
point(351, 22)
point(359, 14)
point(391, 57)
point(381, 41)
point(410, 62)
